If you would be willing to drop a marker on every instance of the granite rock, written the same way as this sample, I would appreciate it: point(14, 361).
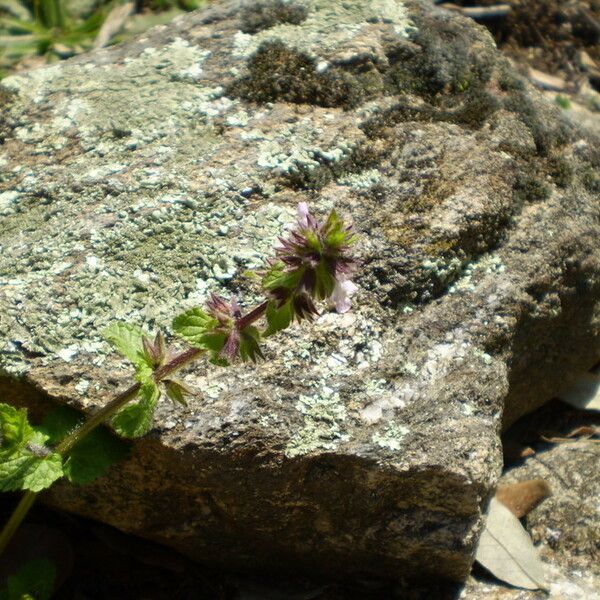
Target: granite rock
point(135, 179)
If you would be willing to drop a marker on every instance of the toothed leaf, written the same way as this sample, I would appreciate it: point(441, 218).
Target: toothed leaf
point(196, 327)
point(135, 419)
point(26, 463)
point(93, 455)
point(128, 339)
point(32, 467)
point(15, 430)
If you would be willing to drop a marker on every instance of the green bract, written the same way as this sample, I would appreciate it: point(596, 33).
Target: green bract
point(175, 391)
point(324, 281)
point(336, 233)
point(278, 277)
point(249, 344)
point(278, 318)
point(129, 341)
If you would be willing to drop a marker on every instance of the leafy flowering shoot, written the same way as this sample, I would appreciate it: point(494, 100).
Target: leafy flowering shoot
point(313, 263)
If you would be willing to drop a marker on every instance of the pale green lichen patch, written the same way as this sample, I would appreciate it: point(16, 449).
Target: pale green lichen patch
point(324, 415)
point(107, 266)
point(390, 437)
point(295, 152)
point(121, 99)
point(361, 181)
point(487, 264)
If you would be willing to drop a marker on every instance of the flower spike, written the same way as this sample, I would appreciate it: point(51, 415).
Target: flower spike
point(314, 263)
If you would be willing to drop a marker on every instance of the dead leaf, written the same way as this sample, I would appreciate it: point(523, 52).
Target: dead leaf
point(521, 498)
point(585, 432)
point(506, 550)
point(584, 393)
point(113, 23)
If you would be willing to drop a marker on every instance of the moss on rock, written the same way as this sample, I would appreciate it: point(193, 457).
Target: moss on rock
point(529, 188)
point(277, 72)
point(259, 16)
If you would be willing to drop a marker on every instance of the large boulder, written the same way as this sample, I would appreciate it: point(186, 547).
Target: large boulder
point(137, 178)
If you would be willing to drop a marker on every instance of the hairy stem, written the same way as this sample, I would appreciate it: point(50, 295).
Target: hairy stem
point(122, 399)
point(252, 316)
point(65, 446)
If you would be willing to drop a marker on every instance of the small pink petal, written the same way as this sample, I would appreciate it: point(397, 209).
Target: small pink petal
point(341, 295)
point(303, 213)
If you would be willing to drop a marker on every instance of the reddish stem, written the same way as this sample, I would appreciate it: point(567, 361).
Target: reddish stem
point(252, 316)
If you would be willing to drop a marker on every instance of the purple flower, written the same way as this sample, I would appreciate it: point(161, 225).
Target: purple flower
point(314, 262)
point(303, 214)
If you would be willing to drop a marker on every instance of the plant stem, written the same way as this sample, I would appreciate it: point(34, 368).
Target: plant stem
point(96, 419)
point(123, 398)
point(67, 444)
point(252, 316)
point(16, 519)
point(59, 14)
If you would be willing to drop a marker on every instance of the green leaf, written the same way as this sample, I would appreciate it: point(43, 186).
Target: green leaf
point(278, 318)
point(176, 391)
point(33, 468)
point(199, 330)
point(196, 327)
point(93, 455)
point(58, 423)
point(34, 580)
point(42, 472)
point(249, 344)
point(15, 430)
point(128, 340)
point(25, 461)
point(135, 420)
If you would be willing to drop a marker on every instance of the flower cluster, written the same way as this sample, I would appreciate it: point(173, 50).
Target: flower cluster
point(312, 263)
